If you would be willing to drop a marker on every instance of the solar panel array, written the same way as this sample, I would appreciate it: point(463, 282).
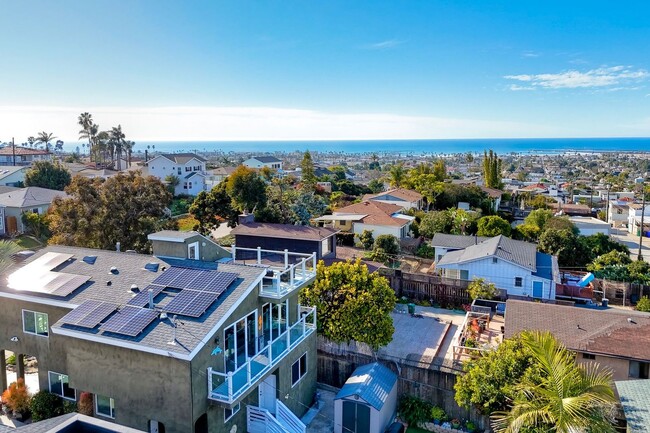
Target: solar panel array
point(192, 303)
point(142, 298)
point(89, 314)
point(130, 321)
point(37, 276)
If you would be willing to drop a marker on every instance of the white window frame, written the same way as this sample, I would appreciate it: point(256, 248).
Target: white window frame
point(196, 249)
point(234, 326)
point(35, 321)
point(234, 411)
point(62, 395)
point(111, 407)
point(301, 374)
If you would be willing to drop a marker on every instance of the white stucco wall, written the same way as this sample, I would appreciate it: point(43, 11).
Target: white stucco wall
point(358, 228)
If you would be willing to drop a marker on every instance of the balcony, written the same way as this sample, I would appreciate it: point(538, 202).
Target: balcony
point(286, 272)
point(228, 387)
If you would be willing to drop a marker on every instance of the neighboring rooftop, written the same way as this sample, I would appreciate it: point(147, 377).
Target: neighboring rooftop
point(371, 382)
point(492, 192)
point(521, 253)
point(375, 213)
point(172, 235)
point(29, 197)
point(455, 241)
point(74, 423)
point(22, 151)
point(284, 231)
point(182, 158)
point(635, 399)
point(399, 193)
point(612, 332)
point(266, 159)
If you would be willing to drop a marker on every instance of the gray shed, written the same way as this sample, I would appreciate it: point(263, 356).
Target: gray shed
point(367, 403)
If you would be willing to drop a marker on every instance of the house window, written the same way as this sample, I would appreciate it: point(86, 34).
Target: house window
point(298, 369)
point(228, 412)
point(59, 385)
point(189, 185)
point(519, 282)
point(188, 168)
point(197, 168)
point(639, 370)
point(35, 323)
point(274, 320)
point(588, 356)
point(36, 210)
point(494, 260)
point(180, 171)
point(104, 406)
point(193, 251)
point(240, 341)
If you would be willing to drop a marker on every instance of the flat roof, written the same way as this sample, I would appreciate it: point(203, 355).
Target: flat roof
point(284, 231)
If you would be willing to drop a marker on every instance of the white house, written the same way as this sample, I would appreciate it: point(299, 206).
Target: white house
point(12, 175)
point(635, 211)
point(217, 175)
point(380, 218)
point(18, 201)
point(617, 214)
point(590, 226)
point(17, 155)
point(514, 266)
point(444, 243)
point(189, 168)
point(402, 197)
point(264, 161)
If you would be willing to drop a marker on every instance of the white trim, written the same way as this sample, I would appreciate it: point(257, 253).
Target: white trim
point(153, 237)
point(234, 324)
point(111, 404)
point(37, 300)
point(49, 386)
point(22, 317)
point(197, 254)
point(160, 156)
point(234, 412)
point(304, 373)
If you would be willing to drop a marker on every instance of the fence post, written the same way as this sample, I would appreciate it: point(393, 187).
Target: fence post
point(259, 255)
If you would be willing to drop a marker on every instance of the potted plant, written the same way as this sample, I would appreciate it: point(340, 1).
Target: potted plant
point(17, 399)
point(455, 423)
point(438, 415)
point(470, 426)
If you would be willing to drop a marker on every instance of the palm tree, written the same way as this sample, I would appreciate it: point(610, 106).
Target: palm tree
point(565, 398)
point(397, 175)
point(45, 138)
point(117, 141)
point(89, 131)
point(31, 141)
point(128, 148)
point(7, 250)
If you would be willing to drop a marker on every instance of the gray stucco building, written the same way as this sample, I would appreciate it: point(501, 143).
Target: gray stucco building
point(167, 343)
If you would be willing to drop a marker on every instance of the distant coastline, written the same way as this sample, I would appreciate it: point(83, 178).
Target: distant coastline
point(439, 146)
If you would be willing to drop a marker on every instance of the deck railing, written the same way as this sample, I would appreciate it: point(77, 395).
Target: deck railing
point(228, 387)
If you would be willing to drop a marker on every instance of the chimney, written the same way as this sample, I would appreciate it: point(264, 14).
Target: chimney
point(246, 218)
point(151, 299)
point(117, 246)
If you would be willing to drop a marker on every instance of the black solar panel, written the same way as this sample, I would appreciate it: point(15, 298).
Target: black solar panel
point(199, 304)
point(72, 285)
point(97, 315)
point(168, 276)
point(181, 301)
point(203, 280)
point(120, 319)
point(183, 280)
point(142, 298)
point(221, 282)
point(80, 312)
point(137, 324)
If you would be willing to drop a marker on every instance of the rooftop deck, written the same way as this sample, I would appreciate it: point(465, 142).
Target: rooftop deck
point(482, 330)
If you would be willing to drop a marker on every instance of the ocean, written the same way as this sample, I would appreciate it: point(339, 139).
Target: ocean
point(447, 146)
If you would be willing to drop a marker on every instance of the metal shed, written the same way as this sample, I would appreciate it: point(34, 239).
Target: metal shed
point(367, 403)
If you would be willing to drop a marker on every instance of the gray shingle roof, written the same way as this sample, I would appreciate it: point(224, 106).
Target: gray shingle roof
point(284, 231)
point(30, 196)
point(74, 422)
point(182, 158)
point(131, 270)
point(518, 252)
point(371, 382)
point(266, 159)
point(635, 399)
point(455, 241)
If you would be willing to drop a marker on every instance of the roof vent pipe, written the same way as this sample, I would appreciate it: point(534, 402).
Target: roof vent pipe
point(117, 246)
point(151, 299)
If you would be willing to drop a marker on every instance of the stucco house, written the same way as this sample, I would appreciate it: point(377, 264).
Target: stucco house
point(189, 168)
point(380, 218)
point(514, 266)
point(617, 214)
point(178, 341)
point(12, 175)
point(31, 199)
point(405, 198)
point(264, 161)
point(18, 155)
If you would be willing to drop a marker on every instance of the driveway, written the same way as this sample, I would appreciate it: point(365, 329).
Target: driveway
point(632, 242)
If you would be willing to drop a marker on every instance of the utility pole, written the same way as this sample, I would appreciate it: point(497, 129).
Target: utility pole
point(591, 197)
point(640, 256)
point(13, 150)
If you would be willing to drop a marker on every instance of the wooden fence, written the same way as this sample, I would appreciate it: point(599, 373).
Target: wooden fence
point(447, 292)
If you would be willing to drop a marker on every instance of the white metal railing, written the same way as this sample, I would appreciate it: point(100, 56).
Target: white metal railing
point(227, 387)
point(259, 420)
point(288, 419)
point(285, 278)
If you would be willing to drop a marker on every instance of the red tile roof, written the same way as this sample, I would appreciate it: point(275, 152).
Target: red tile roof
point(377, 213)
point(7, 150)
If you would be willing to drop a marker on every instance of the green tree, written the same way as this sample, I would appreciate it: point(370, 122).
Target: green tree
point(36, 224)
point(643, 304)
point(44, 138)
point(566, 397)
point(247, 189)
point(117, 141)
point(45, 405)
point(172, 182)
point(366, 239)
point(538, 218)
point(209, 208)
point(385, 248)
point(98, 212)
point(48, 175)
point(492, 170)
point(613, 258)
point(489, 381)
point(481, 289)
point(439, 170)
point(376, 186)
point(436, 222)
point(7, 250)
point(307, 172)
point(493, 225)
point(639, 271)
point(561, 223)
point(600, 244)
point(397, 175)
point(571, 252)
point(352, 303)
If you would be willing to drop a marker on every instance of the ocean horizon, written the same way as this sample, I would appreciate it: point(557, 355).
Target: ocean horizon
point(424, 146)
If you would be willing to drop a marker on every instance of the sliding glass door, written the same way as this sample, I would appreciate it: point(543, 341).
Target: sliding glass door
point(240, 342)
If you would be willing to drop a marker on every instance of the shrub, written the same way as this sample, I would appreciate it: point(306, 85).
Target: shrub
point(426, 251)
point(643, 304)
point(46, 405)
point(345, 239)
point(366, 239)
point(438, 413)
point(12, 359)
point(85, 406)
point(388, 243)
point(16, 397)
point(480, 289)
point(413, 410)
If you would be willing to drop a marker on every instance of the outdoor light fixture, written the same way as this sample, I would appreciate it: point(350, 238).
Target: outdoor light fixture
point(14, 339)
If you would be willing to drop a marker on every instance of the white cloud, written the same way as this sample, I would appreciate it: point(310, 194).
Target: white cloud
point(255, 123)
point(530, 54)
point(601, 77)
point(383, 45)
point(517, 87)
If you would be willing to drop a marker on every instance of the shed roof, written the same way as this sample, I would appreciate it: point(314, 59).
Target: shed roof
point(284, 231)
point(635, 399)
point(371, 382)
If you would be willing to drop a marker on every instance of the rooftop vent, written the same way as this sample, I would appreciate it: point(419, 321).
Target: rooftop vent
point(153, 267)
point(134, 288)
point(90, 259)
point(113, 270)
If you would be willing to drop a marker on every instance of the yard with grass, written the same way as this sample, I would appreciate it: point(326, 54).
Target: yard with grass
point(28, 242)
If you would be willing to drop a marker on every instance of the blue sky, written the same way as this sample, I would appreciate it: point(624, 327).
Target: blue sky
point(172, 70)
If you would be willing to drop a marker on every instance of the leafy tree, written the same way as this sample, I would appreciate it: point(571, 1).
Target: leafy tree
point(44, 138)
point(37, 224)
point(308, 176)
point(385, 247)
point(209, 208)
point(48, 175)
point(305, 207)
point(566, 397)
point(526, 232)
point(16, 397)
point(600, 244)
point(414, 410)
point(7, 250)
point(643, 304)
point(352, 303)
point(538, 218)
point(338, 171)
point(493, 225)
point(540, 202)
point(246, 188)
point(489, 381)
point(571, 252)
point(613, 258)
point(376, 186)
point(45, 405)
point(436, 222)
point(464, 223)
point(98, 212)
point(397, 175)
point(492, 170)
point(561, 223)
point(172, 182)
point(639, 271)
point(439, 170)
point(366, 239)
point(481, 289)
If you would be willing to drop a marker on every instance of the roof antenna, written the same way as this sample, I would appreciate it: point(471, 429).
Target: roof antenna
point(174, 326)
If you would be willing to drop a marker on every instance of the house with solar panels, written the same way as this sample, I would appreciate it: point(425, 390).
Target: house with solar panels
point(184, 340)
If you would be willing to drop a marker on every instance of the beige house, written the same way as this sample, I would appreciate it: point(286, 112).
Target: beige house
point(31, 199)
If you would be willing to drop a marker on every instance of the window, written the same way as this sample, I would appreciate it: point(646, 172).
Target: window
point(240, 341)
point(519, 282)
point(228, 412)
point(193, 251)
point(494, 260)
point(35, 323)
point(180, 171)
point(619, 211)
point(104, 406)
point(59, 385)
point(588, 356)
point(639, 370)
point(298, 369)
point(188, 168)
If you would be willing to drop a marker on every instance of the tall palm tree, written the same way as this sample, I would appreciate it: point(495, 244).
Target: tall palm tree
point(397, 175)
point(31, 141)
point(45, 138)
point(102, 145)
point(565, 398)
point(89, 131)
point(117, 141)
point(7, 250)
